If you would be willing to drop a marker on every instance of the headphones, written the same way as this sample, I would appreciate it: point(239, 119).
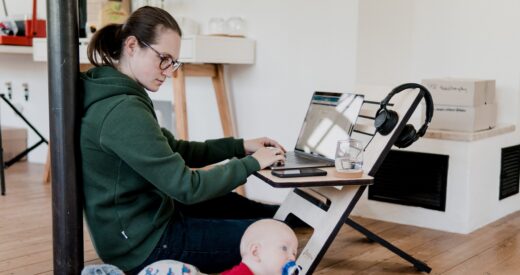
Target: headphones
point(386, 120)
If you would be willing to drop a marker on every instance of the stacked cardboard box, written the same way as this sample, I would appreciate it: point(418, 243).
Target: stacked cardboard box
point(466, 105)
point(14, 141)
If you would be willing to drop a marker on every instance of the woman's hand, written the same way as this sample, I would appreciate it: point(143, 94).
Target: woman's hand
point(253, 145)
point(266, 156)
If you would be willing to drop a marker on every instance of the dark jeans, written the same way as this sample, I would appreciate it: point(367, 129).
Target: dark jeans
point(207, 235)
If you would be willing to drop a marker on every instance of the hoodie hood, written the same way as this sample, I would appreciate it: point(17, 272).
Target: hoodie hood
point(104, 82)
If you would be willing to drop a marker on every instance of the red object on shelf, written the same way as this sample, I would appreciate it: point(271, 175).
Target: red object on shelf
point(33, 28)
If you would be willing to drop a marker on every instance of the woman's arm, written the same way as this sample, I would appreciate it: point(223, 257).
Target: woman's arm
point(131, 133)
point(199, 154)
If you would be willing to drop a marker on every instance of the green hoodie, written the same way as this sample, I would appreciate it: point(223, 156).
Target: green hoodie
point(133, 170)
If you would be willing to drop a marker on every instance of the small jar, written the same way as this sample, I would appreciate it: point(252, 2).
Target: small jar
point(217, 26)
point(236, 26)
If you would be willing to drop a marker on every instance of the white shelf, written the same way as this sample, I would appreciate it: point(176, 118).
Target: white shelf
point(16, 49)
point(40, 50)
point(470, 136)
point(217, 49)
point(194, 49)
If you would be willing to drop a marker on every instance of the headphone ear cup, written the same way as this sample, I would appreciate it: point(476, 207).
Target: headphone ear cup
point(385, 121)
point(407, 137)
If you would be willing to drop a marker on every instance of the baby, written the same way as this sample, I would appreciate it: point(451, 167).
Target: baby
point(267, 247)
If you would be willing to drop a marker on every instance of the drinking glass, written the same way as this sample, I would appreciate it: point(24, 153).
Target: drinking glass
point(349, 156)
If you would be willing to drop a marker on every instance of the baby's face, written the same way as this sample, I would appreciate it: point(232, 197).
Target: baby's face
point(277, 252)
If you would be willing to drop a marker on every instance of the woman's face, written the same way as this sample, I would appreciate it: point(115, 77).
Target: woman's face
point(144, 60)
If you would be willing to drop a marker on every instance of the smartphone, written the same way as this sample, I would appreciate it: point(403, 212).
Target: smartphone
point(304, 172)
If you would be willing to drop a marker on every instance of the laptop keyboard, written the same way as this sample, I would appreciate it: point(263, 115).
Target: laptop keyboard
point(292, 157)
point(296, 159)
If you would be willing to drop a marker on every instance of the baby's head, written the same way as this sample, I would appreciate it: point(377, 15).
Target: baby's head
point(267, 245)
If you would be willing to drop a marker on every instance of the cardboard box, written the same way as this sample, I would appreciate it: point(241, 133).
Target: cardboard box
point(14, 141)
point(464, 118)
point(460, 91)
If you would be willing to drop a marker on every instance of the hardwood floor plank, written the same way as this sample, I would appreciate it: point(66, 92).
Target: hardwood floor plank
point(494, 258)
point(353, 260)
point(475, 243)
point(395, 264)
point(26, 239)
point(44, 265)
point(355, 241)
point(510, 266)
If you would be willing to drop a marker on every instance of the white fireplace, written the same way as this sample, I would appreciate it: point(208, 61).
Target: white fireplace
point(473, 183)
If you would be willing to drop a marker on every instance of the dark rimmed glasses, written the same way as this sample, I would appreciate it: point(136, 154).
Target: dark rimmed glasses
point(166, 60)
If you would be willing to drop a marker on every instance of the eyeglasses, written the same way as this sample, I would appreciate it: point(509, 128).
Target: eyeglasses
point(166, 60)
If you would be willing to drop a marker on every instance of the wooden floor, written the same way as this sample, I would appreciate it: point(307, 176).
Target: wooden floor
point(26, 239)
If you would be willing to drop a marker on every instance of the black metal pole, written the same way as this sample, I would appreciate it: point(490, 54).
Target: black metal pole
point(63, 66)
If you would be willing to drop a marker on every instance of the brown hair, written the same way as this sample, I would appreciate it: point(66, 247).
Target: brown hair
point(143, 23)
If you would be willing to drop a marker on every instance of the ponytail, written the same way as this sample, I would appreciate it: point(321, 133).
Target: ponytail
point(106, 44)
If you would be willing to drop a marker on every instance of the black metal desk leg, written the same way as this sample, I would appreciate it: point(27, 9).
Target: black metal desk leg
point(416, 263)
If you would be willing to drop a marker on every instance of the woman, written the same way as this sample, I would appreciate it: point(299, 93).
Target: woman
point(143, 202)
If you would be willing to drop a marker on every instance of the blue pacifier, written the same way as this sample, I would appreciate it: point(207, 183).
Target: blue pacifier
point(291, 268)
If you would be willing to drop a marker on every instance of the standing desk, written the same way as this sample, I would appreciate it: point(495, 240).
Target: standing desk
point(325, 203)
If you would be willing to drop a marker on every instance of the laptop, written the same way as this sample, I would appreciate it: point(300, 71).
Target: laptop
point(330, 117)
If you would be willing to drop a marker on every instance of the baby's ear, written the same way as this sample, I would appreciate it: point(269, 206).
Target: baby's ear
point(254, 249)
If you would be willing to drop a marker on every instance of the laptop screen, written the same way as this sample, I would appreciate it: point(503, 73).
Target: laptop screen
point(330, 117)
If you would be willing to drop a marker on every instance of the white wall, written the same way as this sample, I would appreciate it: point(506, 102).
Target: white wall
point(406, 40)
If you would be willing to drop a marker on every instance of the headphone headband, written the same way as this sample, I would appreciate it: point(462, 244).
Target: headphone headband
point(424, 93)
